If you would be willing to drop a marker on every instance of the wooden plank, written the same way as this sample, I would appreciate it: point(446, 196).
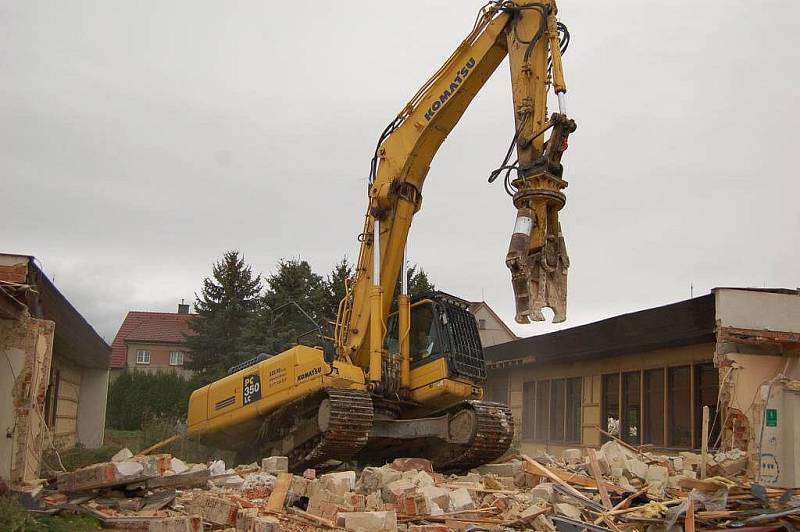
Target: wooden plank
point(535, 468)
point(645, 458)
point(311, 517)
point(704, 445)
point(623, 504)
point(161, 444)
point(181, 480)
point(585, 481)
point(594, 466)
point(688, 523)
point(278, 497)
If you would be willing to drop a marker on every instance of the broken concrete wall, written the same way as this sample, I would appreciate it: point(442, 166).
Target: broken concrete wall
point(68, 377)
point(26, 345)
point(758, 340)
point(92, 407)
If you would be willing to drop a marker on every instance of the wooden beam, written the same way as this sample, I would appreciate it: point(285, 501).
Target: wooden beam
point(278, 497)
point(688, 523)
point(598, 477)
point(704, 444)
point(161, 444)
point(535, 468)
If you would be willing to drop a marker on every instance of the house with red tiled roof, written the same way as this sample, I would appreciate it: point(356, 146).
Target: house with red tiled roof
point(152, 341)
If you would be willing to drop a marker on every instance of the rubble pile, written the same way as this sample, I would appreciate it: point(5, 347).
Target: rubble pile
point(614, 488)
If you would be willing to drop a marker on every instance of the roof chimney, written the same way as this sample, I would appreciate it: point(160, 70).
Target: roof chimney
point(183, 308)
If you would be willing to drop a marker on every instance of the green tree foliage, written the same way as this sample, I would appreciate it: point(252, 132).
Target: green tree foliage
point(295, 299)
point(135, 395)
point(227, 301)
point(335, 284)
point(418, 283)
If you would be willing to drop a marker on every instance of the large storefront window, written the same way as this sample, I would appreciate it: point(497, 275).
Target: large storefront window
point(551, 410)
point(662, 406)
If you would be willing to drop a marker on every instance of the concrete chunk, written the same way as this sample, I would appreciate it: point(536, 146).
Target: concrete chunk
point(191, 523)
point(407, 464)
point(543, 491)
point(398, 489)
point(266, 524)
point(275, 464)
point(215, 510)
point(572, 456)
point(122, 455)
point(245, 517)
point(568, 510)
point(339, 483)
point(437, 496)
point(461, 500)
point(370, 521)
point(506, 469)
point(636, 468)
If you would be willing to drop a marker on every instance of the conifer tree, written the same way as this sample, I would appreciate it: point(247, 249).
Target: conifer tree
point(295, 299)
point(228, 298)
point(335, 287)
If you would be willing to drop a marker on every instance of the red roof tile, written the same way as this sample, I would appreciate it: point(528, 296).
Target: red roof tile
point(167, 327)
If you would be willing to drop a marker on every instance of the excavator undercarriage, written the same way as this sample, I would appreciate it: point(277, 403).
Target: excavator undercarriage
point(335, 426)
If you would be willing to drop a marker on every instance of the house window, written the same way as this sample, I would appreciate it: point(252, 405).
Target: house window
point(176, 358)
point(552, 410)
point(706, 386)
point(528, 410)
point(572, 416)
point(143, 357)
point(542, 410)
point(679, 407)
point(611, 403)
point(557, 396)
point(631, 408)
point(662, 406)
point(653, 426)
point(481, 324)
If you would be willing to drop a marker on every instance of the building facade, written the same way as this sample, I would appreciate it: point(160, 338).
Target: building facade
point(152, 341)
point(646, 376)
point(53, 392)
point(491, 328)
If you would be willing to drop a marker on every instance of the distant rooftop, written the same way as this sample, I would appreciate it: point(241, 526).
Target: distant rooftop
point(155, 327)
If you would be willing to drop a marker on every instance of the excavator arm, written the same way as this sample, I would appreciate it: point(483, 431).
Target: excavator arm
point(529, 34)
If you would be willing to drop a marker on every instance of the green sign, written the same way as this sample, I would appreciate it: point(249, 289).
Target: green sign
point(772, 417)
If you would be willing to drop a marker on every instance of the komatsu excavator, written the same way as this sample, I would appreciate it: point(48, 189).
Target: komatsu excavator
point(410, 382)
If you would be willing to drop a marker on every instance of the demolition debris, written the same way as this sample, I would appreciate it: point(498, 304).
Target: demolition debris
point(614, 488)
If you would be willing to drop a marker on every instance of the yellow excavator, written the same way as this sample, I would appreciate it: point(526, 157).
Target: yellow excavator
point(409, 382)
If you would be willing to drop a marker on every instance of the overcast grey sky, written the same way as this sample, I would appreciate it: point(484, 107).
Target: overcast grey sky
point(139, 140)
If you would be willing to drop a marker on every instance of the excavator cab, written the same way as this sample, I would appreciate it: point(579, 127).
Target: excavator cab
point(441, 327)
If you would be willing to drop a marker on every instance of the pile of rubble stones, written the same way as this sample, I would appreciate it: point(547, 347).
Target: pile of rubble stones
point(614, 488)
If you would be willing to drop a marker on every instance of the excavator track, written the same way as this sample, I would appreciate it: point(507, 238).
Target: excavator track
point(349, 419)
point(492, 436)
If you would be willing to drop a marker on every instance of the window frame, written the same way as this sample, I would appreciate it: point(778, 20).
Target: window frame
point(141, 355)
point(178, 354)
point(665, 398)
point(538, 427)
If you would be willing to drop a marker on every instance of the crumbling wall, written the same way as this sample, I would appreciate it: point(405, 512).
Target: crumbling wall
point(69, 378)
point(27, 347)
point(92, 407)
point(758, 340)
